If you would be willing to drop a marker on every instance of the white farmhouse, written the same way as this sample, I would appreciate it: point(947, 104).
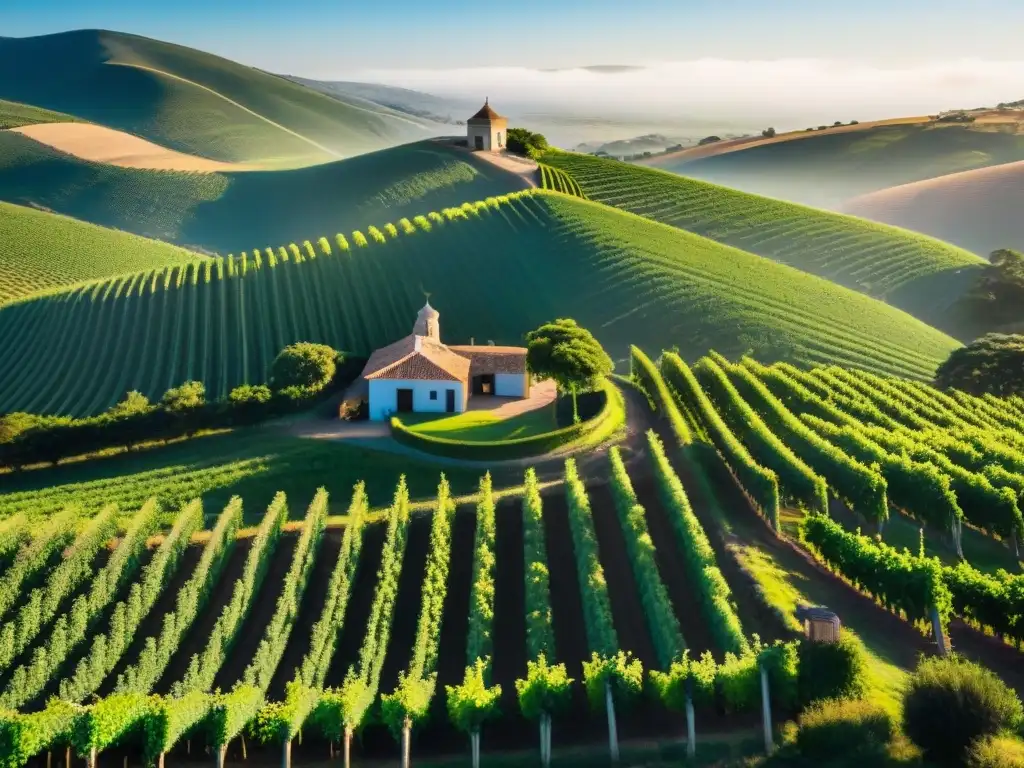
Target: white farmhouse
point(487, 131)
point(419, 374)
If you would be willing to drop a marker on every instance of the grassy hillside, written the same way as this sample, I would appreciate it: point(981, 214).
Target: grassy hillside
point(916, 273)
point(223, 212)
point(41, 250)
point(192, 101)
point(15, 115)
point(494, 270)
point(825, 168)
point(978, 210)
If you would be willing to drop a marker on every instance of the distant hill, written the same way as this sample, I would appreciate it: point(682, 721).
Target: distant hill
point(918, 274)
point(979, 210)
point(192, 101)
point(225, 212)
point(15, 115)
point(416, 103)
point(826, 168)
point(40, 251)
point(493, 270)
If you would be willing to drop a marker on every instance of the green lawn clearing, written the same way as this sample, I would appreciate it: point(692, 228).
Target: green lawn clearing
point(484, 426)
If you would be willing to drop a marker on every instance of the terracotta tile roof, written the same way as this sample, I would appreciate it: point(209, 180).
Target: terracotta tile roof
point(486, 113)
point(492, 359)
point(416, 357)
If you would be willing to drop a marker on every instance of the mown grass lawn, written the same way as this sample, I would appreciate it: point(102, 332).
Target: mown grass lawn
point(484, 426)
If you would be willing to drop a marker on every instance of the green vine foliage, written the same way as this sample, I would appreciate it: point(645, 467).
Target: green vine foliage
point(474, 702)
point(546, 689)
point(204, 666)
point(995, 601)
point(621, 670)
point(760, 484)
point(278, 722)
point(324, 636)
point(901, 581)
point(661, 619)
point(169, 718)
point(411, 699)
point(47, 541)
point(540, 637)
point(862, 488)
point(647, 376)
point(798, 483)
point(22, 736)
point(230, 712)
point(103, 723)
point(73, 570)
point(698, 556)
point(191, 598)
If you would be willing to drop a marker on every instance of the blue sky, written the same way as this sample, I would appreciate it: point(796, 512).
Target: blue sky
point(324, 38)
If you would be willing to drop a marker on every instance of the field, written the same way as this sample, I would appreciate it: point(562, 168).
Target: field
point(194, 102)
point(15, 115)
point(656, 548)
point(915, 273)
point(41, 251)
point(973, 209)
point(548, 255)
point(225, 212)
point(99, 144)
point(826, 168)
point(484, 426)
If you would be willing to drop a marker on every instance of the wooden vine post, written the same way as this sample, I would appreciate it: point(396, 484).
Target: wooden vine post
point(613, 730)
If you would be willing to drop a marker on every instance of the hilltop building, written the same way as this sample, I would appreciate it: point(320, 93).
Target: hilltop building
point(487, 130)
point(420, 374)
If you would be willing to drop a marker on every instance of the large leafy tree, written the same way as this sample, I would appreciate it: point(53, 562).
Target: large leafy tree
point(305, 365)
point(568, 353)
point(994, 363)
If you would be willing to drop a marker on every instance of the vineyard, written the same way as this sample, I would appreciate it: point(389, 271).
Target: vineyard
point(911, 271)
point(202, 210)
point(222, 321)
point(481, 615)
point(40, 251)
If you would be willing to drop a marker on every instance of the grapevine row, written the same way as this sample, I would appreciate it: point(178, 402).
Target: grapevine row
point(650, 380)
point(698, 556)
point(759, 483)
point(661, 619)
point(34, 556)
point(203, 667)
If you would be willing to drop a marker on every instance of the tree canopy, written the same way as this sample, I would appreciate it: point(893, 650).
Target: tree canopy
point(994, 363)
point(523, 141)
point(307, 366)
point(568, 353)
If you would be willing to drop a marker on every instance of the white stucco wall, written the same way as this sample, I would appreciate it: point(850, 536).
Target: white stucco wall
point(510, 385)
point(494, 135)
point(384, 396)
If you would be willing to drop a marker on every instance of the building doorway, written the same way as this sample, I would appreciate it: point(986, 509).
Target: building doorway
point(483, 384)
point(404, 400)
point(449, 401)
point(478, 142)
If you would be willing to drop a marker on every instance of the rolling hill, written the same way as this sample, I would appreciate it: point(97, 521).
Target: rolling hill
point(194, 102)
point(978, 210)
point(224, 212)
point(416, 103)
point(495, 269)
point(918, 274)
point(40, 250)
point(826, 168)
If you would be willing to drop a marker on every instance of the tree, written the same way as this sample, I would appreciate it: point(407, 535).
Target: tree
point(994, 363)
point(568, 353)
point(525, 142)
point(185, 399)
point(305, 365)
point(768, 133)
point(134, 403)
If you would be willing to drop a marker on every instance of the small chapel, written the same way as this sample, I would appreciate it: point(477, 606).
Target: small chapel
point(421, 374)
point(487, 131)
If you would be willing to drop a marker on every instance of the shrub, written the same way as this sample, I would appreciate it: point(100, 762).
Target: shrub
point(308, 366)
point(190, 396)
point(768, 133)
point(831, 670)
point(950, 704)
point(249, 403)
point(996, 753)
point(853, 729)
